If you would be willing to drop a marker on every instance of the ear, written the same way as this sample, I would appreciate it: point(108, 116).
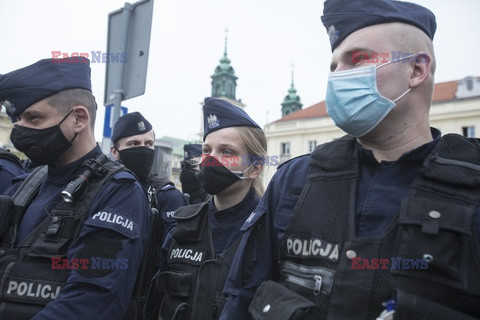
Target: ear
point(115, 153)
point(82, 118)
point(255, 169)
point(421, 69)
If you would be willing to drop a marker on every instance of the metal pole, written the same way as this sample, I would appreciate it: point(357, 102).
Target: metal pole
point(118, 92)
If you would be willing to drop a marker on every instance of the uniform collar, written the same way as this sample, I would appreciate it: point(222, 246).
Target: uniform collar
point(68, 172)
point(238, 210)
point(415, 155)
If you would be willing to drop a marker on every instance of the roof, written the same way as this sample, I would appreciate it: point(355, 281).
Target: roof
point(444, 91)
point(317, 110)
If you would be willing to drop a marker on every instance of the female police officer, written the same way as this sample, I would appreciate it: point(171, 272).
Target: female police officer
point(197, 255)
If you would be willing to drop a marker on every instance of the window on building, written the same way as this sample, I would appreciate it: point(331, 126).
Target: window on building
point(469, 131)
point(285, 148)
point(312, 144)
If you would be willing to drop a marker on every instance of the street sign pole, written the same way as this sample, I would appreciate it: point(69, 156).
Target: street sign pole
point(118, 92)
point(128, 38)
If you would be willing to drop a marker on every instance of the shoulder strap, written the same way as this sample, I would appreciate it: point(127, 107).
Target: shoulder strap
point(155, 185)
point(27, 191)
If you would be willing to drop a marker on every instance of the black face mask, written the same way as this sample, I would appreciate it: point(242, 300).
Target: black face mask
point(41, 146)
point(139, 160)
point(215, 177)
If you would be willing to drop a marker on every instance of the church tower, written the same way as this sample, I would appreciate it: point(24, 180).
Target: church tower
point(224, 81)
point(291, 102)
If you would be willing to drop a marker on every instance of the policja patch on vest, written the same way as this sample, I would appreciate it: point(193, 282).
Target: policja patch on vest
point(312, 248)
point(186, 255)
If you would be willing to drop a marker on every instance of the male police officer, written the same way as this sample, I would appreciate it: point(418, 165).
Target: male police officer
point(75, 259)
point(10, 167)
point(392, 189)
point(190, 167)
point(133, 145)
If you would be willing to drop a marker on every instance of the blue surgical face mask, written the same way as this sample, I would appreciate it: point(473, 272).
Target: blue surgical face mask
point(354, 102)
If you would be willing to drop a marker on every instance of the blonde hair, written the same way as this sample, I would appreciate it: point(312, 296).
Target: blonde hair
point(256, 145)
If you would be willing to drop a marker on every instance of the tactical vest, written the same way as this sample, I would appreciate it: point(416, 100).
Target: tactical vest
point(193, 284)
point(154, 186)
point(30, 278)
point(149, 264)
point(432, 251)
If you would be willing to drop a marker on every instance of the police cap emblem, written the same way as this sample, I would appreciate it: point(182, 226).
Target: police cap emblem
point(333, 34)
point(141, 126)
point(213, 121)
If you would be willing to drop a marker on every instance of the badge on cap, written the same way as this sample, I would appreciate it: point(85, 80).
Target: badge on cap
point(141, 126)
point(213, 121)
point(333, 33)
point(8, 106)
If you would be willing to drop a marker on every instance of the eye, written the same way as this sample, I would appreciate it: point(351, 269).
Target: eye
point(227, 152)
point(206, 151)
point(362, 58)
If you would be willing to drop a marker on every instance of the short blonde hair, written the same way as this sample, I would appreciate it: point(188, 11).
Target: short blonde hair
point(256, 145)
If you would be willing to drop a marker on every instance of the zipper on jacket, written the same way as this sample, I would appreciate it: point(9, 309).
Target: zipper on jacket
point(319, 280)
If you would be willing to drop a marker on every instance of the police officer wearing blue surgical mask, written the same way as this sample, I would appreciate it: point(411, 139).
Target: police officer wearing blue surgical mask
point(393, 190)
point(198, 253)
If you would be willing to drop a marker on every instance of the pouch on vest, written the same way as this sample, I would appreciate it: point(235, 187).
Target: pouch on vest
point(6, 208)
point(17, 311)
point(176, 286)
point(174, 283)
point(24, 296)
point(173, 308)
point(410, 306)
point(444, 231)
point(273, 301)
point(190, 223)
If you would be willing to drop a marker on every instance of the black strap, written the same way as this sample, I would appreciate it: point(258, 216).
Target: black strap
point(27, 191)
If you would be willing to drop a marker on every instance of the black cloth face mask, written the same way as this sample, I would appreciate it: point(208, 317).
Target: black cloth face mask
point(139, 160)
point(214, 177)
point(41, 146)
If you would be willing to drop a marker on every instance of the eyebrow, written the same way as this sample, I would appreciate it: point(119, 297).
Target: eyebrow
point(221, 145)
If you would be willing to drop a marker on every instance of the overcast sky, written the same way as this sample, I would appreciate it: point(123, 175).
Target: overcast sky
point(265, 37)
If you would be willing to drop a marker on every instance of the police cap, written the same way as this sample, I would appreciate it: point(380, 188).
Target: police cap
point(130, 124)
point(343, 17)
point(21, 88)
point(219, 114)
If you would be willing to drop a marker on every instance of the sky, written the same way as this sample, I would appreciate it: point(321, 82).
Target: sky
point(265, 37)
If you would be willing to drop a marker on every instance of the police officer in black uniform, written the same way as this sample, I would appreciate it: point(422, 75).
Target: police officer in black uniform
point(384, 222)
point(133, 141)
point(198, 253)
point(190, 167)
point(73, 239)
